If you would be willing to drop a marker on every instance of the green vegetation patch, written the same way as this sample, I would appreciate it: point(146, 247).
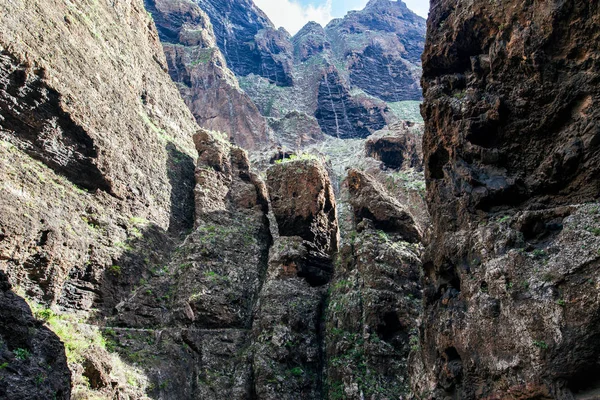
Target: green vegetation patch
point(409, 110)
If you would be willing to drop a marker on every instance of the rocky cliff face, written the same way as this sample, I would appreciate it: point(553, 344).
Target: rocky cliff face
point(249, 40)
point(511, 155)
point(96, 163)
point(196, 64)
point(351, 76)
point(382, 47)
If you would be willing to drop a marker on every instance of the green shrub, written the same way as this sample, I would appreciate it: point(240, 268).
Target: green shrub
point(21, 354)
point(540, 344)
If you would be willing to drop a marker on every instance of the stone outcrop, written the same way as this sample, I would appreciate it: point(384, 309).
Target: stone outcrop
point(512, 159)
point(375, 297)
point(33, 364)
point(310, 41)
point(304, 204)
point(196, 64)
point(296, 130)
point(200, 305)
point(249, 40)
point(66, 150)
point(371, 201)
point(397, 148)
point(288, 330)
point(372, 314)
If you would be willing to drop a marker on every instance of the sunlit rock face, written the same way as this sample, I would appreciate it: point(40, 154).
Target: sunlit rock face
point(209, 88)
point(382, 47)
point(249, 40)
point(348, 76)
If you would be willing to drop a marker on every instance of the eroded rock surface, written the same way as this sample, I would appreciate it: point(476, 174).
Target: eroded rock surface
point(97, 172)
point(511, 155)
point(249, 40)
point(382, 46)
point(345, 75)
point(32, 358)
point(370, 201)
point(304, 203)
point(208, 86)
point(397, 148)
point(288, 330)
point(375, 297)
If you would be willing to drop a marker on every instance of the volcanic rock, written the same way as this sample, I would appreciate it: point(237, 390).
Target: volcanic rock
point(511, 161)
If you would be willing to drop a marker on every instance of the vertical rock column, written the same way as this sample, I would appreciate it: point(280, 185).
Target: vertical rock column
point(374, 301)
point(223, 268)
point(288, 360)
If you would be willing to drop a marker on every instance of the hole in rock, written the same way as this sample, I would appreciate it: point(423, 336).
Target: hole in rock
point(453, 364)
point(437, 161)
point(316, 270)
point(43, 238)
point(482, 135)
point(389, 327)
point(586, 382)
point(535, 229)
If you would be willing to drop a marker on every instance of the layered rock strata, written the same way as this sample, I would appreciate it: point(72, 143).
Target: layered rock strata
point(249, 40)
point(207, 85)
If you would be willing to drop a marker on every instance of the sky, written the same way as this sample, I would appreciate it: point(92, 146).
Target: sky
point(294, 14)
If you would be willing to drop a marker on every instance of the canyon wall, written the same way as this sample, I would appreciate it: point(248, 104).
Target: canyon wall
point(511, 160)
point(209, 88)
point(97, 167)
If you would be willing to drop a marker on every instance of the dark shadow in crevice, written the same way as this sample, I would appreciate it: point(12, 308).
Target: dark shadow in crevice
point(586, 382)
point(33, 363)
point(436, 163)
point(180, 170)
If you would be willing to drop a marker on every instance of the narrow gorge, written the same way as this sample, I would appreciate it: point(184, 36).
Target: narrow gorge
point(196, 204)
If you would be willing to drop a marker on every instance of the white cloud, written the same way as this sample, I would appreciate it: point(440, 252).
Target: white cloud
point(292, 15)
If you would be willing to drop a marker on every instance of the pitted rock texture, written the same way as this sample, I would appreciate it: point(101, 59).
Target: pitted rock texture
point(249, 40)
point(397, 148)
point(511, 157)
point(304, 204)
point(372, 314)
point(196, 64)
point(97, 182)
point(288, 329)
